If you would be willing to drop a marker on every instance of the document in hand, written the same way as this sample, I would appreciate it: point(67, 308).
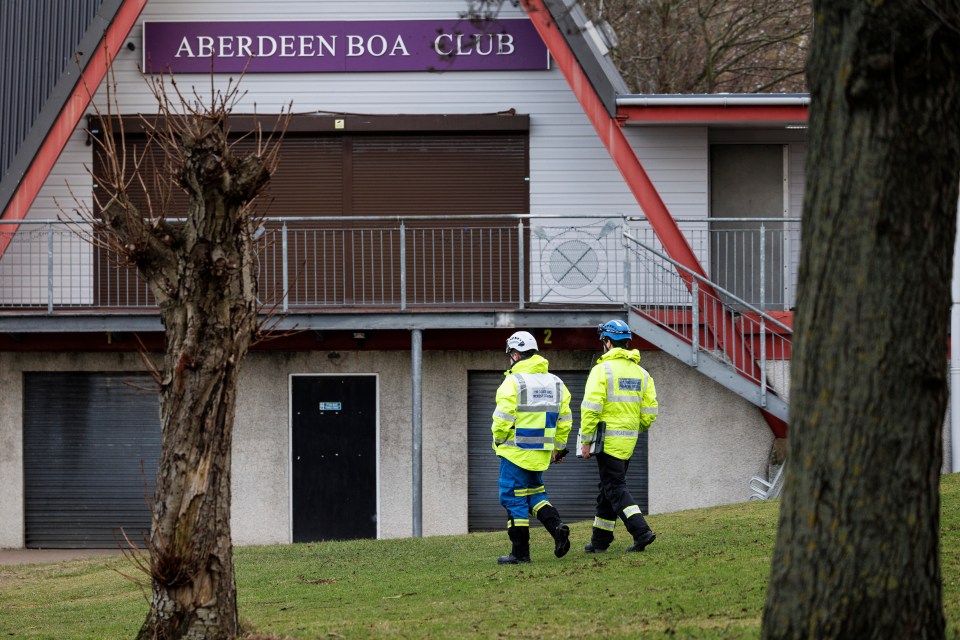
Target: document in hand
point(597, 445)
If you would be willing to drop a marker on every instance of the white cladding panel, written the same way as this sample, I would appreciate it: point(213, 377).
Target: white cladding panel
point(29, 272)
point(584, 263)
point(570, 170)
point(798, 183)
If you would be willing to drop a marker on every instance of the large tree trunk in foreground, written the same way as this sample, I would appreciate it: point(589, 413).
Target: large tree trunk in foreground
point(857, 552)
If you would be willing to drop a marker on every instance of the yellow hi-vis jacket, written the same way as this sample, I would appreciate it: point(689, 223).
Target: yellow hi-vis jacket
point(533, 415)
point(620, 393)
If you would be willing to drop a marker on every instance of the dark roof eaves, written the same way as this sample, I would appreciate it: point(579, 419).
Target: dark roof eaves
point(54, 104)
point(600, 70)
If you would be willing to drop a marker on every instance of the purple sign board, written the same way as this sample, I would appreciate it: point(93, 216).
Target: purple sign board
point(338, 47)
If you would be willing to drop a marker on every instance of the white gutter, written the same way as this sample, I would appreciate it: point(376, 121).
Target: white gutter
point(955, 358)
point(715, 100)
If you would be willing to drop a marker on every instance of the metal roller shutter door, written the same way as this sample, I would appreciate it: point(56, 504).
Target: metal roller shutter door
point(572, 486)
point(91, 443)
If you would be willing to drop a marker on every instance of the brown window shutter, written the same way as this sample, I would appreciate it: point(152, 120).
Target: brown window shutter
point(455, 262)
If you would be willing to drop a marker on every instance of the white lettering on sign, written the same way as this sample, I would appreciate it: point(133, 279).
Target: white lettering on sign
point(184, 48)
point(448, 44)
point(261, 51)
point(226, 46)
point(286, 46)
point(318, 46)
point(243, 45)
point(204, 46)
point(354, 45)
point(329, 45)
point(306, 47)
point(331, 406)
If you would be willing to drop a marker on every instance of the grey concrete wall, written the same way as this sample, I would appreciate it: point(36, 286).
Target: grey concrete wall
point(706, 443)
point(703, 448)
point(11, 455)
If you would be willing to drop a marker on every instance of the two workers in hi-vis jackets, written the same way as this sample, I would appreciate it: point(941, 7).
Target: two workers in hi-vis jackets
point(531, 425)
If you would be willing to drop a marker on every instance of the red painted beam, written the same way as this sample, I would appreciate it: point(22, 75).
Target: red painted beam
point(702, 113)
point(643, 189)
point(66, 123)
point(613, 139)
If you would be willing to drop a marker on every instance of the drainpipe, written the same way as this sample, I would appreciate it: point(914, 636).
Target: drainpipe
point(955, 357)
point(416, 359)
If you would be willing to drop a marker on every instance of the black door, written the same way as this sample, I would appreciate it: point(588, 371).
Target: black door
point(334, 457)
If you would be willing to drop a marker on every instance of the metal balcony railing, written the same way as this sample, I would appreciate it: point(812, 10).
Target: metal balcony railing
point(408, 263)
point(754, 258)
point(708, 320)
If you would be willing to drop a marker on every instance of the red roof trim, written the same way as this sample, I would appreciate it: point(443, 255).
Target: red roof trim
point(702, 113)
point(66, 123)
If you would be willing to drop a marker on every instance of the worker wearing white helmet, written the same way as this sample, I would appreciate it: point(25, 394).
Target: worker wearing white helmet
point(530, 429)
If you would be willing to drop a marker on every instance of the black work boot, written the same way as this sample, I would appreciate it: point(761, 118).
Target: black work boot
point(550, 518)
point(642, 541)
point(520, 537)
point(600, 540)
point(561, 541)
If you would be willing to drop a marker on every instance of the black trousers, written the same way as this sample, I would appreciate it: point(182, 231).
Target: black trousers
point(613, 498)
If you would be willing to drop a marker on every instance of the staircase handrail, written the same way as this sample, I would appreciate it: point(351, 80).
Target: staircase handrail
point(710, 284)
point(717, 327)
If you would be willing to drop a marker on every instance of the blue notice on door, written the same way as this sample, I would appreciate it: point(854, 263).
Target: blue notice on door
point(331, 406)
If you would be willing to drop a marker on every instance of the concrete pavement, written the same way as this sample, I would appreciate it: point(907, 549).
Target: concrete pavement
point(40, 556)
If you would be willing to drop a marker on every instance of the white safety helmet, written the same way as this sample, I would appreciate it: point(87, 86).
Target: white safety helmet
point(521, 341)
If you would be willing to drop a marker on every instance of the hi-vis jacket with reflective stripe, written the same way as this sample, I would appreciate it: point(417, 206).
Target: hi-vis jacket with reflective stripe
point(533, 414)
point(620, 393)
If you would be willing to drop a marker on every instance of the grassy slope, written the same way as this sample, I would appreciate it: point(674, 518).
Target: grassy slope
point(705, 577)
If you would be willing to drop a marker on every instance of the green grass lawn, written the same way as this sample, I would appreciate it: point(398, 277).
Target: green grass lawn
point(704, 577)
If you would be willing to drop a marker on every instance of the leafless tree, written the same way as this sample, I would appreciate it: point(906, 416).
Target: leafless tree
point(200, 270)
point(708, 46)
point(857, 552)
point(697, 46)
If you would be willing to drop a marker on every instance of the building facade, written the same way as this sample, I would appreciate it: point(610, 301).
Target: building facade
point(440, 186)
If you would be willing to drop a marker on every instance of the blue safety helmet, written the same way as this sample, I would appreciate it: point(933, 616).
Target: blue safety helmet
point(615, 330)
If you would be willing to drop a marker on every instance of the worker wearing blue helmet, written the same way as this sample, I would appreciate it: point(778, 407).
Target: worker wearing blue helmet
point(619, 403)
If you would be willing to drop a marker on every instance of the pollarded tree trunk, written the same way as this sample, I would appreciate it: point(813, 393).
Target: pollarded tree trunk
point(209, 320)
point(857, 552)
point(201, 272)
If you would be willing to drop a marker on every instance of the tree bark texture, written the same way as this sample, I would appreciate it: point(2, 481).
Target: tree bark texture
point(209, 323)
point(201, 272)
point(857, 551)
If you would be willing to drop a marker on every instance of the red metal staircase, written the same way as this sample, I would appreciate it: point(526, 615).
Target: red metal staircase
point(553, 21)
